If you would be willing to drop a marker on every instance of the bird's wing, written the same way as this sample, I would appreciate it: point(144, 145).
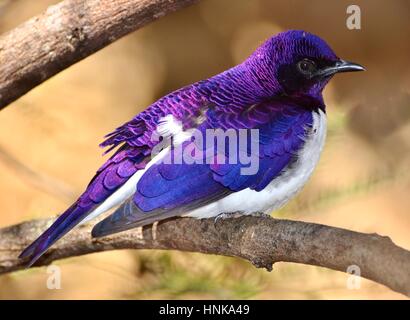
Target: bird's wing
point(172, 189)
point(134, 143)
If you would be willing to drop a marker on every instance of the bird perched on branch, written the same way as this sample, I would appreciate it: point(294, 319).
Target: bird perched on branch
point(270, 108)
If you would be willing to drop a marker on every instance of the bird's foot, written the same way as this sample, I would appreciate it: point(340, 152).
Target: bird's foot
point(223, 216)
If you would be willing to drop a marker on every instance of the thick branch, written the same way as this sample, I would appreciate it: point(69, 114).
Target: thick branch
point(261, 240)
point(66, 33)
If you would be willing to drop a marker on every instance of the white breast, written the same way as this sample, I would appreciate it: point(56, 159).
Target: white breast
point(281, 189)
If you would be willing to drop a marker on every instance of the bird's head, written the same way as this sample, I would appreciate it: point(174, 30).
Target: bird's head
point(297, 64)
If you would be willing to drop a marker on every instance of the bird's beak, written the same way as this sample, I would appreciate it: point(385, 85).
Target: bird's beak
point(340, 66)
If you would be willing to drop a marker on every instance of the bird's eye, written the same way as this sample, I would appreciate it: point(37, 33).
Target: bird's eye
point(306, 66)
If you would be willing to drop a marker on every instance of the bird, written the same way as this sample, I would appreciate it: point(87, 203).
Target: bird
point(276, 93)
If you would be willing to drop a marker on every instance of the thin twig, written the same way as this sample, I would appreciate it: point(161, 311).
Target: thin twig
point(37, 180)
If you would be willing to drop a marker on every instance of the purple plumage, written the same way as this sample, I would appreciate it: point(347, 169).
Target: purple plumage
point(276, 91)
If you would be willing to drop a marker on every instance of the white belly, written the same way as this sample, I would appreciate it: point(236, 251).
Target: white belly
point(281, 189)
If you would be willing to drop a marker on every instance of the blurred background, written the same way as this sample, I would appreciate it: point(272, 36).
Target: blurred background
point(49, 144)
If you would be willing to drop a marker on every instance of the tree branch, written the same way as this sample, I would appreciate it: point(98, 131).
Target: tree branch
point(66, 33)
point(261, 240)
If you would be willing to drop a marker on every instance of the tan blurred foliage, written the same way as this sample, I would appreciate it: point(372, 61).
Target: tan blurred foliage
point(362, 182)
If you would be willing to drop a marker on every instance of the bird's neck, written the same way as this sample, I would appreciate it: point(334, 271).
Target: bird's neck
point(241, 86)
point(309, 102)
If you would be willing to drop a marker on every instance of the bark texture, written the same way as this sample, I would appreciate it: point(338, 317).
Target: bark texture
point(261, 240)
point(66, 33)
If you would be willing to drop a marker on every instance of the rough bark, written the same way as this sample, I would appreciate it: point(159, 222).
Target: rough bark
point(66, 33)
point(261, 240)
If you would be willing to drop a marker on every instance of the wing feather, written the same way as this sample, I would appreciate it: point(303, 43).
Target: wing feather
point(172, 189)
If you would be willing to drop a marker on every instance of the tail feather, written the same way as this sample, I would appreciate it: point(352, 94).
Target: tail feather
point(118, 174)
point(64, 223)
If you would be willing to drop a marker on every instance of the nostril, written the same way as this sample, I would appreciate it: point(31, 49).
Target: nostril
point(339, 63)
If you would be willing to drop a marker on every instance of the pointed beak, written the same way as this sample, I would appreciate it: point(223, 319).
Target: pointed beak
point(340, 66)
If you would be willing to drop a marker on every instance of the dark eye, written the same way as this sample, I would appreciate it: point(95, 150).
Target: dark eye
point(306, 66)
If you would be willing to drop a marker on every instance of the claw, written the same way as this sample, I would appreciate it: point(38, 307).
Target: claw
point(222, 216)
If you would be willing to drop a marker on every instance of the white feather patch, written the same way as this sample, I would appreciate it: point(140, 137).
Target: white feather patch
point(168, 126)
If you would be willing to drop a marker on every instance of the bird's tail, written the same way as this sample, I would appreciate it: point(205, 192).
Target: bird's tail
point(64, 223)
point(99, 197)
